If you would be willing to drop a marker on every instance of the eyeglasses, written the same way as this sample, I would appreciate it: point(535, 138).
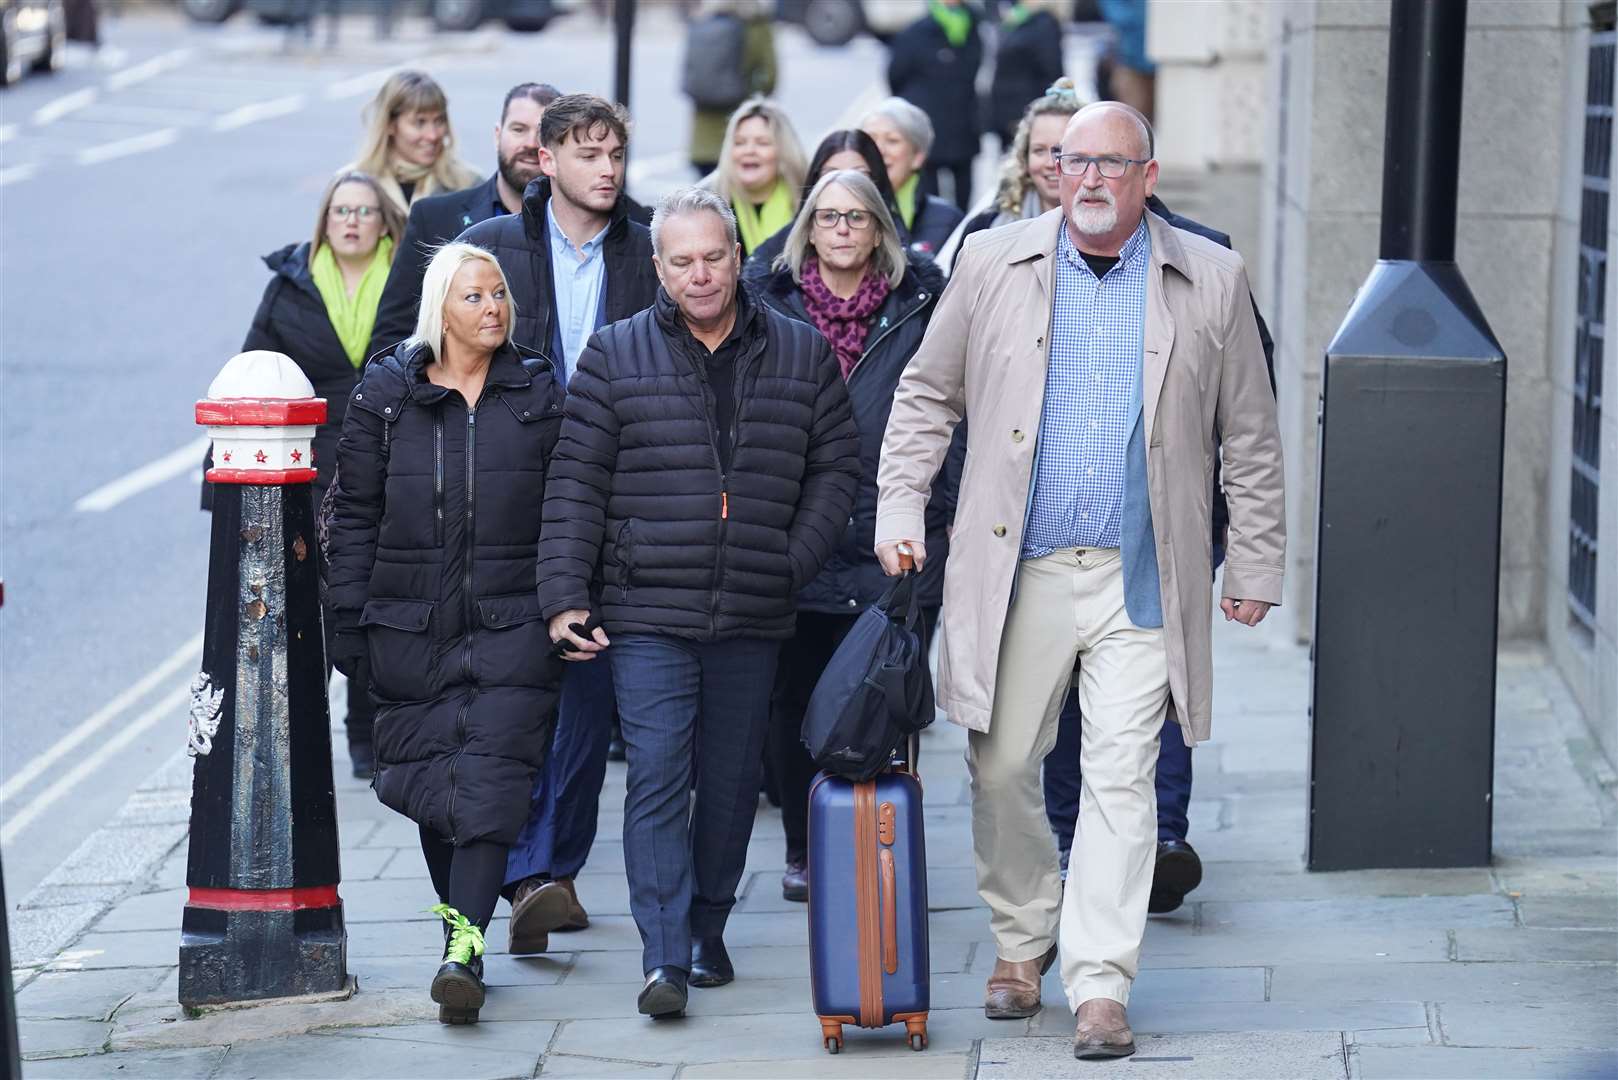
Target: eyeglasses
point(360, 213)
point(1109, 167)
point(857, 219)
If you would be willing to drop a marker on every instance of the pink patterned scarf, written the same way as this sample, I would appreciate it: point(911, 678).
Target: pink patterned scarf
point(842, 322)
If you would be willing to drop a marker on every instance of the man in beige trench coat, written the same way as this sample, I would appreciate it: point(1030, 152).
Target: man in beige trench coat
point(1105, 358)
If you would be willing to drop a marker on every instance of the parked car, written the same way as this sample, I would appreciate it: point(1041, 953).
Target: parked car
point(453, 15)
point(32, 33)
point(837, 22)
point(210, 11)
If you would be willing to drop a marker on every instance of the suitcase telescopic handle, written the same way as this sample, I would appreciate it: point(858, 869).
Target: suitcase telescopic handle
point(907, 558)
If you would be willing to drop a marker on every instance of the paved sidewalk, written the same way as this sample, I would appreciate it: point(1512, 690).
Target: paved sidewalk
point(1268, 971)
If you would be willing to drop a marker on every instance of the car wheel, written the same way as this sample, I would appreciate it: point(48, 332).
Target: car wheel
point(49, 59)
point(458, 15)
point(833, 22)
point(210, 11)
point(529, 25)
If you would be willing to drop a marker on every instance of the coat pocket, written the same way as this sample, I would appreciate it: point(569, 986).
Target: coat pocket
point(513, 642)
point(400, 648)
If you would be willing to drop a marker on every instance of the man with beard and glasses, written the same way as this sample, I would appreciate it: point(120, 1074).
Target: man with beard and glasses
point(575, 261)
point(1106, 359)
point(438, 219)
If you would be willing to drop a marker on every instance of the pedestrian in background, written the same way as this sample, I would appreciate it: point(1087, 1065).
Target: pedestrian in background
point(708, 462)
point(1126, 72)
point(437, 219)
point(760, 173)
point(317, 309)
point(409, 146)
point(844, 271)
point(1027, 59)
point(934, 63)
point(1090, 346)
point(904, 135)
point(433, 541)
point(729, 57)
point(575, 261)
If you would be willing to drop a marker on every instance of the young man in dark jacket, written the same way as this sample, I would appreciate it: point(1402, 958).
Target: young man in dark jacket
point(438, 219)
point(575, 261)
point(707, 466)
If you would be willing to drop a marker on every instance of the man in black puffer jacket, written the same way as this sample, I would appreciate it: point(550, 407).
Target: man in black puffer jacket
point(706, 469)
point(575, 261)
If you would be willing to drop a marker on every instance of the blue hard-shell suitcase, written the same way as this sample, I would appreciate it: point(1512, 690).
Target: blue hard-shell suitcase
point(868, 905)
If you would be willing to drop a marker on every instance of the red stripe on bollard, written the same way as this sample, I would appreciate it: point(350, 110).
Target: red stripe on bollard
point(262, 412)
point(313, 896)
point(261, 476)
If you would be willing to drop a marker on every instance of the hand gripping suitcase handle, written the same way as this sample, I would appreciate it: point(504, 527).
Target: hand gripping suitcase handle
point(907, 558)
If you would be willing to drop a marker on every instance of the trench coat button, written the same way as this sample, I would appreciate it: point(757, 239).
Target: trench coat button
point(999, 530)
point(1016, 435)
point(853, 602)
point(526, 414)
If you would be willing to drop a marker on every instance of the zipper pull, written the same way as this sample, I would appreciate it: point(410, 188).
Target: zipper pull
point(724, 505)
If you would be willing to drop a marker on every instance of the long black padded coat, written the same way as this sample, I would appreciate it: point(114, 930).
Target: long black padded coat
point(852, 579)
point(434, 536)
point(639, 515)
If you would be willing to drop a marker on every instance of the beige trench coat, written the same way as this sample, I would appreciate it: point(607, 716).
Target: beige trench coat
point(1203, 373)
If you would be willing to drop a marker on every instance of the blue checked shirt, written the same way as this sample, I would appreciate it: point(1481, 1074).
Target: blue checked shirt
point(1097, 332)
point(577, 276)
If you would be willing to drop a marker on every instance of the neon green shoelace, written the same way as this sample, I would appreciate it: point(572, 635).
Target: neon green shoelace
point(465, 939)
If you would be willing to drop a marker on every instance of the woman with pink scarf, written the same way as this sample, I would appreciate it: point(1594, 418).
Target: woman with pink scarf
point(845, 271)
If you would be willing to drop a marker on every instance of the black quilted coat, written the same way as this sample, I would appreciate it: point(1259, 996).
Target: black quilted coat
point(434, 534)
point(638, 510)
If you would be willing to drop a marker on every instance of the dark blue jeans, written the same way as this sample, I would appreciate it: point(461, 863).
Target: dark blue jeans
point(685, 705)
point(566, 801)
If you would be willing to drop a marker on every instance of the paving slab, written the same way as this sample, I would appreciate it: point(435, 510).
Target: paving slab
point(1445, 982)
point(1219, 948)
point(751, 962)
point(924, 1065)
point(522, 1036)
point(1157, 984)
point(190, 1063)
point(499, 969)
point(148, 911)
point(1359, 912)
point(144, 948)
point(1466, 1063)
point(579, 1067)
point(1291, 881)
point(60, 1038)
point(1558, 1025)
point(1281, 1055)
point(1156, 1016)
point(84, 995)
point(1583, 912)
point(305, 1056)
point(1534, 945)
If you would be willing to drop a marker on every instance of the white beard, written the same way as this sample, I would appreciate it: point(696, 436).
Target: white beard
point(1094, 221)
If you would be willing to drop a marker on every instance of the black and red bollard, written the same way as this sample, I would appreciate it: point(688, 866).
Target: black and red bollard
point(263, 918)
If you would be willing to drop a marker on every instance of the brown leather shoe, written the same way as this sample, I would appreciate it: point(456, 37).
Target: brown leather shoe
point(537, 908)
point(577, 917)
point(1103, 1031)
point(1013, 990)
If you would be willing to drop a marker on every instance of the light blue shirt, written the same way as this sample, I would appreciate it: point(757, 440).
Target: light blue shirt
point(577, 277)
point(1091, 403)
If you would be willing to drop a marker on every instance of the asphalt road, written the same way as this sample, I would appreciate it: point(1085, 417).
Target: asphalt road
point(138, 188)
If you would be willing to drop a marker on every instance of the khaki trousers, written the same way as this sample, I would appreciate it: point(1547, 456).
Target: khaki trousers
point(1069, 608)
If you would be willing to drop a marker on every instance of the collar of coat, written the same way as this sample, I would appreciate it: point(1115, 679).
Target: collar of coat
point(538, 193)
point(506, 370)
point(1036, 239)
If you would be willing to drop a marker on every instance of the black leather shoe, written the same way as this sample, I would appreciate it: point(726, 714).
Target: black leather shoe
point(1178, 871)
point(710, 963)
point(664, 994)
point(362, 761)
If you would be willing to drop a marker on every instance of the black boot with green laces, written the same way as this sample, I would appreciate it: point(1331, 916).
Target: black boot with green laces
point(458, 986)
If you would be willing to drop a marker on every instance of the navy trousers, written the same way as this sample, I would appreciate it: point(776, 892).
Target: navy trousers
point(1063, 779)
point(685, 705)
point(566, 801)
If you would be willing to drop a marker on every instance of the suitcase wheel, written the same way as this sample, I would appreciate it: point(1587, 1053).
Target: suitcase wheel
point(834, 1044)
point(831, 1033)
point(916, 1031)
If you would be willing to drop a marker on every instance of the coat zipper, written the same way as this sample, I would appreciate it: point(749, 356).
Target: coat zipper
point(438, 478)
point(871, 348)
point(468, 547)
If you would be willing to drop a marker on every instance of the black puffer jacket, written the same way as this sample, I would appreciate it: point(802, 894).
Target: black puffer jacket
point(1027, 60)
point(292, 319)
point(935, 220)
point(433, 540)
point(638, 505)
point(852, 579)
point(522, 245)
point(941, 80)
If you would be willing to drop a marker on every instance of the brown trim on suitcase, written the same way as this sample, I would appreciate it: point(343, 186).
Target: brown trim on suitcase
point(867, 902)
point(890, 912)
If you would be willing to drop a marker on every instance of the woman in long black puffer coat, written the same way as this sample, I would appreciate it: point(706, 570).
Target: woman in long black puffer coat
point(434, 543)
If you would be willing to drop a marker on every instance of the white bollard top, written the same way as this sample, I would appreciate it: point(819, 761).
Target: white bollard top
point(260, 374)
point(261, 411)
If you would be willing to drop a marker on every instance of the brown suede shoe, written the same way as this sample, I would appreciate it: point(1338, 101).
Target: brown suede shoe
point(1103, 1031)
point(1013, 990)
point(577, 917)
point(537, 908)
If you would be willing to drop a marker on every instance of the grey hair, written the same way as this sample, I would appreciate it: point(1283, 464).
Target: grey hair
point(910, 120)
point(690, 200)
point(435, 285)
point(889, 256)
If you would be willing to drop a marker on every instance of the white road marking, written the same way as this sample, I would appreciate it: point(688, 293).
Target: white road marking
point(370, 80)
point(186, 654)
point(135, 144)
point(147, 69)
point(68, 781)
point(67, 103)
point(166, 468)
point(261, 110)
point(17, 172)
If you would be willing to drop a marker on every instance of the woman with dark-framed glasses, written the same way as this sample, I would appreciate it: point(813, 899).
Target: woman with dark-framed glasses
point(846, 271)
point(318, 308)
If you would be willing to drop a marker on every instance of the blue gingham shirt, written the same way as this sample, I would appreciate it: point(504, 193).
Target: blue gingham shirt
point(1097, 334)
point(577, 276)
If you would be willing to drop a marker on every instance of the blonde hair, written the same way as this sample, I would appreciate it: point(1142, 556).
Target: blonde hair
point(393, 220)
point(1061, 98)
point(406, 92)
point(791, 165)
point(435, 285)
point(889, 256)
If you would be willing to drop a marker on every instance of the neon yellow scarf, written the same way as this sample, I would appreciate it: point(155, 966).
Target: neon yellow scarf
point(906, 197)
point(758, 223)
point(353, 317)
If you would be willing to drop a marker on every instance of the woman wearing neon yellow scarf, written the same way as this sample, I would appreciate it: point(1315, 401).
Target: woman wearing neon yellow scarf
point(761, 171)
point(318, 308)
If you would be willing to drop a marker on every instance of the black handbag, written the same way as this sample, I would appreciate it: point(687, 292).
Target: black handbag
point(875, 692)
